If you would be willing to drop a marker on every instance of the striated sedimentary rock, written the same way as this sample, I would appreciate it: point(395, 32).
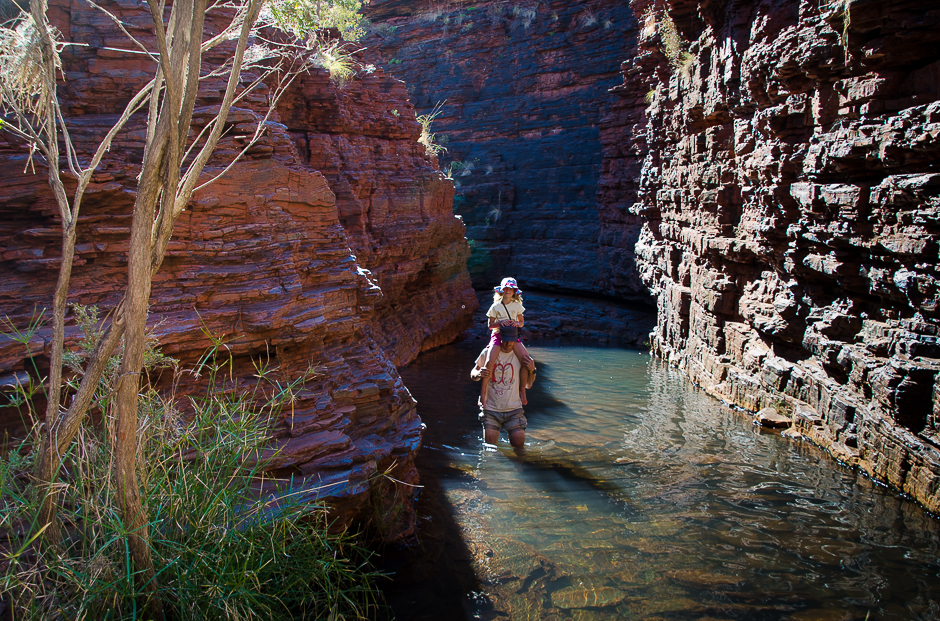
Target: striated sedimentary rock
point(332, 244)
point(789, 176)
point(524, 91)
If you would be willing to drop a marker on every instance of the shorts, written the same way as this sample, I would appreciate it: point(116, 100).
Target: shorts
point(513, 420)
point(497, 341)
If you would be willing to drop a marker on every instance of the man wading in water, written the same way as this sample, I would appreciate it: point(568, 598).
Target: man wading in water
point(503, 400)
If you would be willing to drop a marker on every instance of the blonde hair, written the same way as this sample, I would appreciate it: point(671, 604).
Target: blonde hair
point(498, 296)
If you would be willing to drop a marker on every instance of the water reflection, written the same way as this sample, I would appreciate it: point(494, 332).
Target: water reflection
point(640, 497)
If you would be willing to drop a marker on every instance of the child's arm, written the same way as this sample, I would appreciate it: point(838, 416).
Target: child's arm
point(494, 322)
point(519, 321)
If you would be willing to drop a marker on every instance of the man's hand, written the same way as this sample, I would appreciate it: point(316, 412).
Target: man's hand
point(478, 374)
point(528, 362)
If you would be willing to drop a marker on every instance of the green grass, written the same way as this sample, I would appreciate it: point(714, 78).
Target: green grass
point(222, 548)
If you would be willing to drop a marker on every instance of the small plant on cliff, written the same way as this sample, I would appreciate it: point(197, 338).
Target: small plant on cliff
point(497, 9)
point(336, 58)
point(846, 24)
point(457, 170)
point(679, 59)
point(307, 19)
point(588, 19)
point(782, 407)
point(431, 15)
point(524, 16)
point(383, 29)
point(427, 138)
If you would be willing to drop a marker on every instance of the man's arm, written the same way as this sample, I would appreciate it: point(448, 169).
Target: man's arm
point(479, 370)
point(530, 367)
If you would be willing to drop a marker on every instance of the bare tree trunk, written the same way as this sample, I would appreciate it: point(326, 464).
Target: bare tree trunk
point(160, 182)
point(50, 148)
point(61, 431)
point(159, 178)
point(125, 441)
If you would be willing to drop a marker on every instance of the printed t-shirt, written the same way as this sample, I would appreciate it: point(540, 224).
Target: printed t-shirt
point(503, 392)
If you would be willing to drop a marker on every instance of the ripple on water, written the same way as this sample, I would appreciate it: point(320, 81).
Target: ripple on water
point(642, 498)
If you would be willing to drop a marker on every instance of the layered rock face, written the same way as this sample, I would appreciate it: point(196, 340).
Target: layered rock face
point(524, 92)
point(789, 173)
point(331, 244)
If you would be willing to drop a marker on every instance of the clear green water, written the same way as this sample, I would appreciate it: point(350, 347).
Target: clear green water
point(640, 497)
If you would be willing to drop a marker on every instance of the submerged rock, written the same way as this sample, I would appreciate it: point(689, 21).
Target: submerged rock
point(703, 580)
point(579, 596)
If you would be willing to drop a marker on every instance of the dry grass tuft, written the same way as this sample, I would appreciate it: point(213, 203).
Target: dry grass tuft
point(23, 83)
point(427, 138)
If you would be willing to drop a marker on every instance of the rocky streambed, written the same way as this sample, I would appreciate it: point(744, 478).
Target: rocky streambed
point(641, 497)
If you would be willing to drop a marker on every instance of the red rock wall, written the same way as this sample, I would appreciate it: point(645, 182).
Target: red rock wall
point(333, 244)
point(789, 177)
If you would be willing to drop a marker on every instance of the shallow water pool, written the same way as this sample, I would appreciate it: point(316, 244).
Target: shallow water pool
point(640, 497)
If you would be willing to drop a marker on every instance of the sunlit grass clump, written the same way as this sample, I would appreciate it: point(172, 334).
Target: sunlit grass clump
point(222, 549)
point(432, 144)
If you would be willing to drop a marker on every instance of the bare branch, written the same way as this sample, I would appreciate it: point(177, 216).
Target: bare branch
point(235, 26)
point(70, 155)
point(110, 49)
point(162, 46)
point(259, 130)
point(132, 106)
point(120, 25)
point(195, 62)
point(192, 174)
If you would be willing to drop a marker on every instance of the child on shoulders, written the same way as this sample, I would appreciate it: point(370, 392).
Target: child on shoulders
point(506, 310)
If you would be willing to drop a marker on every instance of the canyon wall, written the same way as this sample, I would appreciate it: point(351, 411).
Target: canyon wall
point(785, 157)
point(523, 94)
point(332, 244)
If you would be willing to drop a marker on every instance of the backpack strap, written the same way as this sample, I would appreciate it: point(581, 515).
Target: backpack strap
point(508, 314)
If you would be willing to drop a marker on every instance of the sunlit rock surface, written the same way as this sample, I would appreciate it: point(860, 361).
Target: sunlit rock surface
point(332, 244)
point(789, 176)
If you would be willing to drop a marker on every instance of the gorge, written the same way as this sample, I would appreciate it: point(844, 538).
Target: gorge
point(762, 193)
point(768, 174)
